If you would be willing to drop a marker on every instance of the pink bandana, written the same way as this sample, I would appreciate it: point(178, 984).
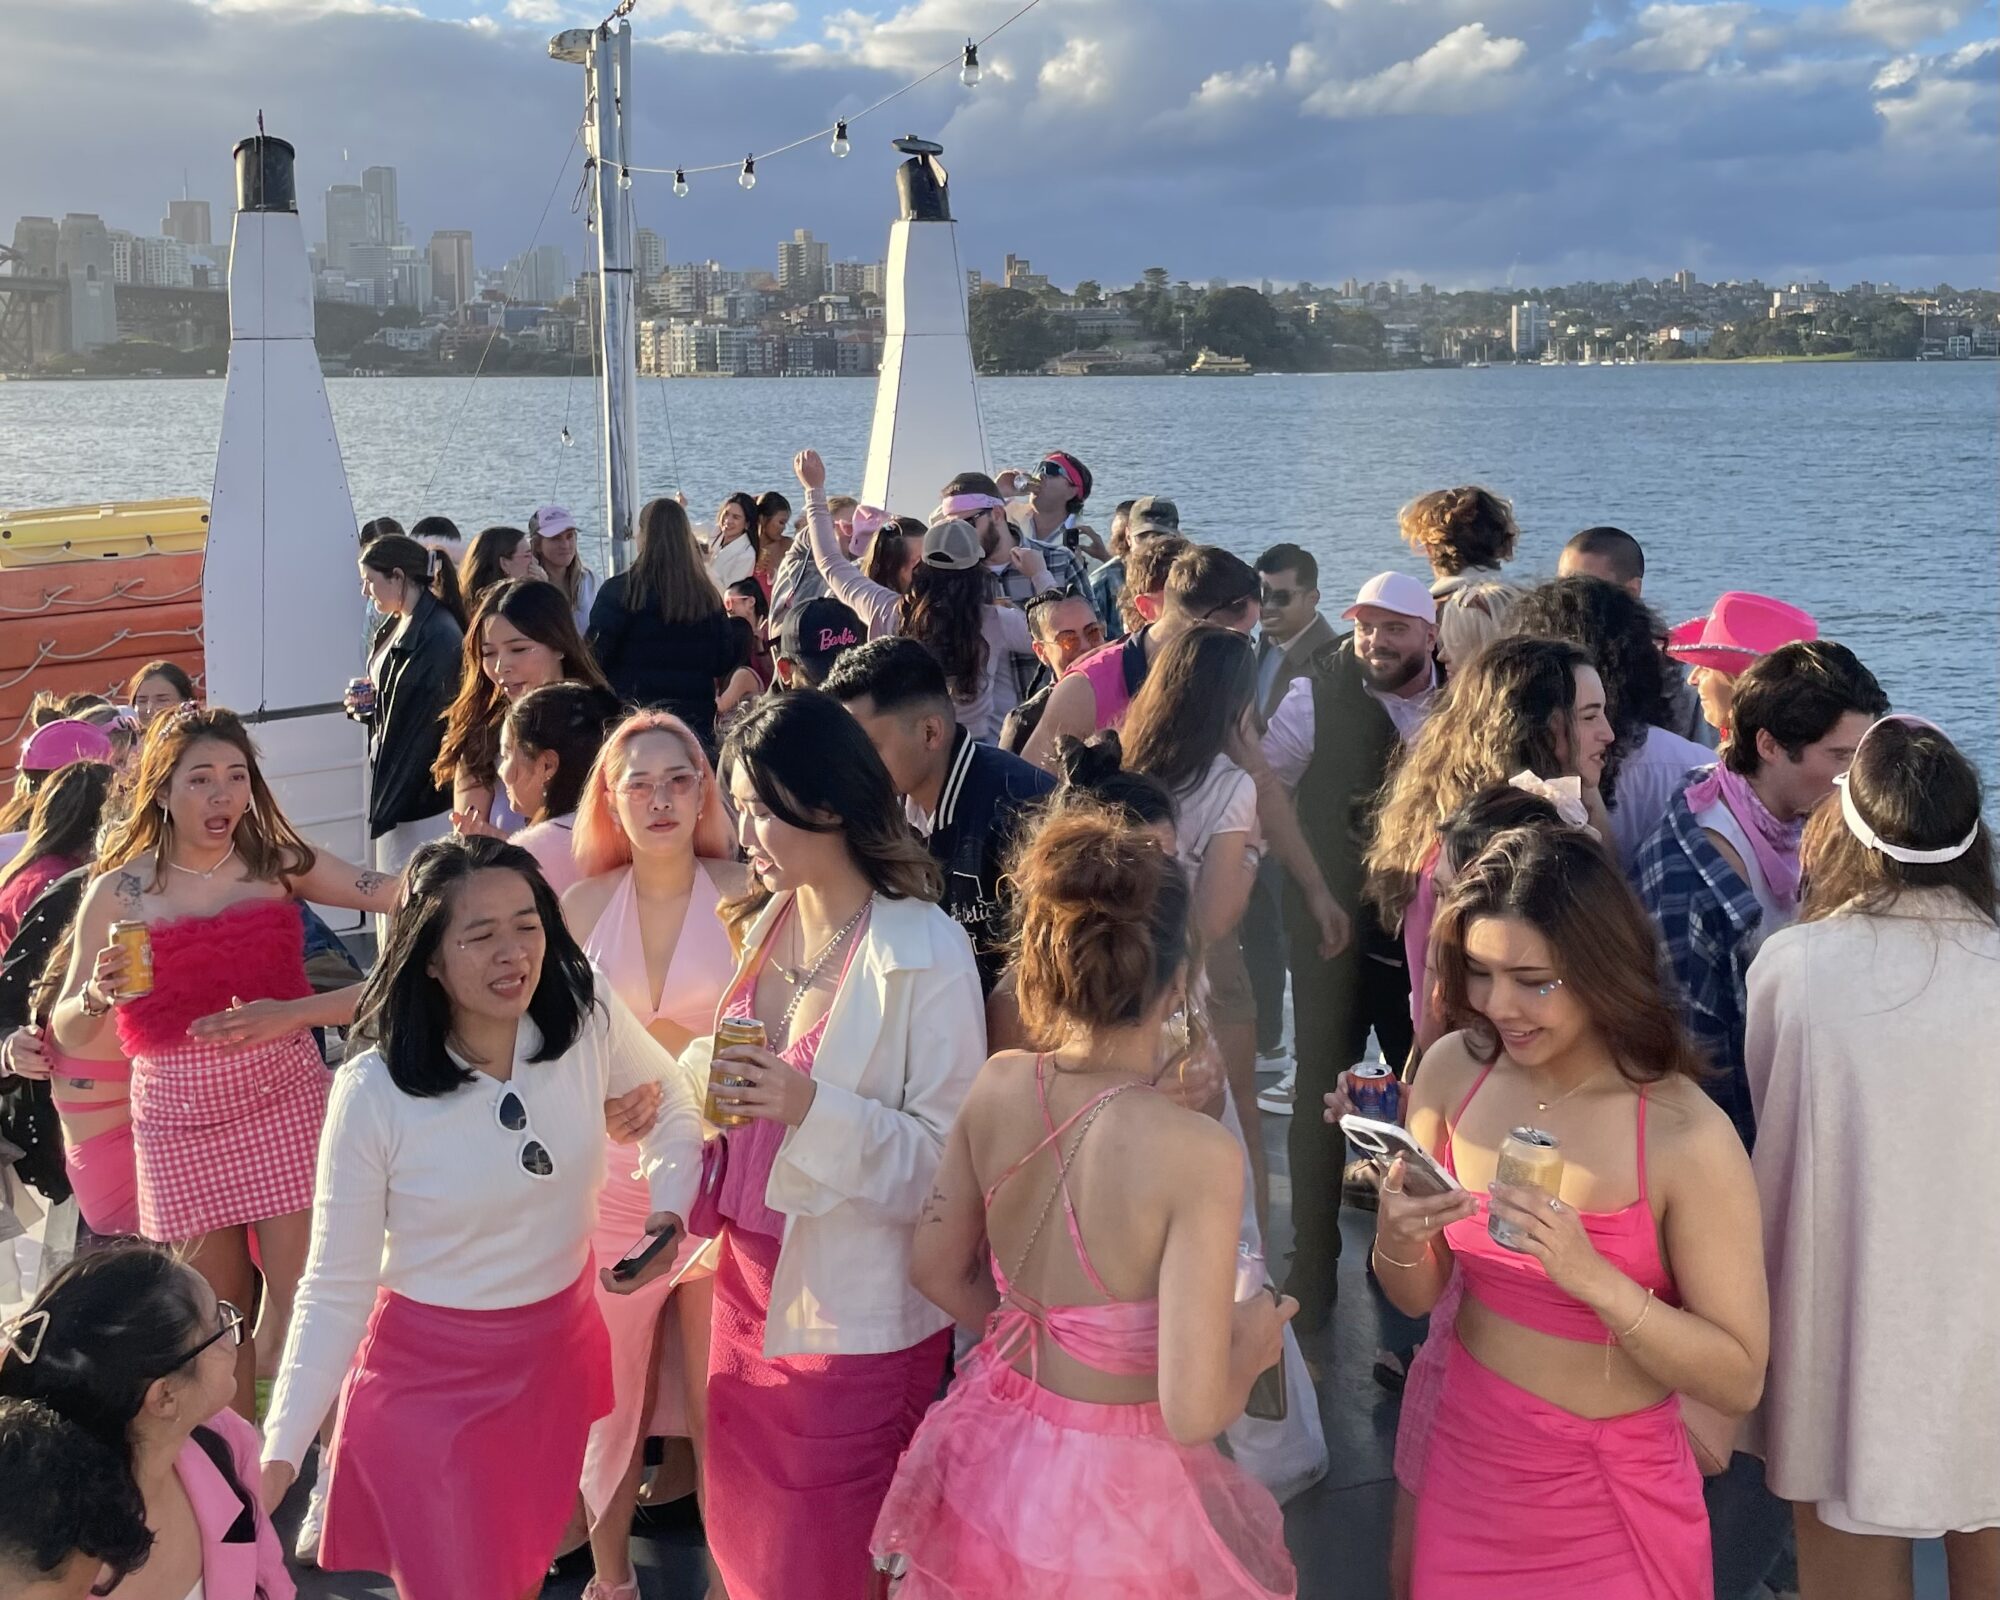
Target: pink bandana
point(1775, 844)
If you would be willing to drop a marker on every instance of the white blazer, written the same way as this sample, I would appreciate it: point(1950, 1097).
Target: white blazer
point(903, 1042)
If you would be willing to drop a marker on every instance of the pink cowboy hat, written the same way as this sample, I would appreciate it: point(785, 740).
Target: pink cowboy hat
point(1741, 628)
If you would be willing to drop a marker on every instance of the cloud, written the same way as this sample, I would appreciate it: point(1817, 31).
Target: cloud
point(1461, 73)
point(544, 12)
point(1902, 23)
point(743, 19)
point(1078, 73)
point(1223, 90)
point(1685, 38)
point(1937, 101)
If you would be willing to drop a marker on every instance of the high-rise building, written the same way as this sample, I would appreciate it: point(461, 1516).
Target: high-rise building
point(353, 217)
point(379, 183)
point(452, 271)
point(1528, 327)
point(370, 264)
point(149, 262)
point(187, 221)
point(649, 256)
point(537, 277)
point(802, 264)
point(857, 277)
point(410, 280)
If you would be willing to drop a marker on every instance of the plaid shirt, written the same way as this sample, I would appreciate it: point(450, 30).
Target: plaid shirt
point(1708, 917)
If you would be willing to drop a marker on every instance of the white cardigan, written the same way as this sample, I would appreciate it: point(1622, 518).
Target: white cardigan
point(903, 1042)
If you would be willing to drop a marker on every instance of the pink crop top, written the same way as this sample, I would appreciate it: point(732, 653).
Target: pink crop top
point(1514, 1285)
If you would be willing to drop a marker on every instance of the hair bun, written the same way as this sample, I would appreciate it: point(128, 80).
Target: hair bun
point(1085, 763)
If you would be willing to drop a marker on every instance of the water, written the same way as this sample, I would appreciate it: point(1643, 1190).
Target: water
point(1867, 493)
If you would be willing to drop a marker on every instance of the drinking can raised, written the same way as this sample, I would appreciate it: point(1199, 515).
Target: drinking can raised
point(137, 943)
point(1529, 1159)
point(730, 1032)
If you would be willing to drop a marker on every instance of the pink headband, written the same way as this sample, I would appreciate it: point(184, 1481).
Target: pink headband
point(960, 505)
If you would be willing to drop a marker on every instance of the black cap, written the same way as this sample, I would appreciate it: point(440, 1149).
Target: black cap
point(815, 634)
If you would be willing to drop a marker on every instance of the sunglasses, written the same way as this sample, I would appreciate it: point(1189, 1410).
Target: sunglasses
point(1229, 608)
point(1070, 639)
point(230, 1327)
point(512, 1115)
point(1054, 469)
point(1280, 597)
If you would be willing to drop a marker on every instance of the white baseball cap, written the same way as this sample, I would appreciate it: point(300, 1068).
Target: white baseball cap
point(1397, 592)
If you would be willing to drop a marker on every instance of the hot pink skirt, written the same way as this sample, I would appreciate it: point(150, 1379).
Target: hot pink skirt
point(106, 1181)
point(1521, 1497)
point(459, 1442)
point(1423, 1384)
point(800, 1448)
point(1010, 1491)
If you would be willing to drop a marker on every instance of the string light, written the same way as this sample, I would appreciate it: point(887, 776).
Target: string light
point(840, 146)
point(624, 177)
point(747, 178)
point(680, 184)
point(969, 73)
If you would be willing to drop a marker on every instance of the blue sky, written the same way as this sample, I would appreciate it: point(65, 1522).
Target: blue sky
point(1460, 142)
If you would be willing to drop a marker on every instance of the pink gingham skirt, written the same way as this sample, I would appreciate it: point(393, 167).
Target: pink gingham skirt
point(224, 1136)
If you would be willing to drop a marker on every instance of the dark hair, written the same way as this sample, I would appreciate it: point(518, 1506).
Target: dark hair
point(972, 483)
point(68, 809)
point(1076, 500)
point(173, 673)
point(436, 527)
point(946, 611)
point(1147, 567)
point(1096, 767)
point(569, 720)
point(404, 1012)
point(803, 755)
point(898, 674)
point(1207, 578)
point(120, 1319)
point(66, 1493)
point(1103, 914)
point(1460, 528)
point(379, 527)
point(747, 504)
point(401, 556)
point(1616, 548)
point(750, 589)
point(1798, 694)
point(1190, 705)
point(1291, 558)
point(1620, 635)
point(1916, 789)
point(1604, 947)
point(1474, 825)
point(888, 551)
point(769, 504)
point(667, 573)
point(490, 547)
point(742, 644)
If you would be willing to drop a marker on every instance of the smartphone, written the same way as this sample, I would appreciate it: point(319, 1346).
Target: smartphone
point(1268, 1401)
point(634, 1261)
point(1384, 1141)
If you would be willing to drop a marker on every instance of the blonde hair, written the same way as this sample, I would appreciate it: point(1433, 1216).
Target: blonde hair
point(1471, 618)
point(1460, 528)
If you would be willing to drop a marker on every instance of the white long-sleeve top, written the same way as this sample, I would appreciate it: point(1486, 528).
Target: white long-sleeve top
point(427, 1196)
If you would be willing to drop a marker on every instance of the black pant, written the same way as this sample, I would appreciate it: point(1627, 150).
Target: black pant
point(1335, 1004)
point(1264, 950)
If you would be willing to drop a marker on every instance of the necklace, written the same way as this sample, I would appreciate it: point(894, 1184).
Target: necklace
point(1542, 1105)
point(196, 872)
point(802, 982)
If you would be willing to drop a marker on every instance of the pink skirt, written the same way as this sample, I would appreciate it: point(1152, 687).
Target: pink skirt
point(800, 1448)
point(1521, 1497)
point(1010, 1491)
point(225, 1136)
point(459, 1440)
point(102, 1173)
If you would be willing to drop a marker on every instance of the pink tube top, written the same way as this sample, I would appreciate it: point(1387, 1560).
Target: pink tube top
point(63, 1069)
point(1514, 1285)
point(253, 950)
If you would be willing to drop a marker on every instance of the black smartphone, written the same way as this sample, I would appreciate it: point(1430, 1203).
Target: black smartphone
point(634, 1261)
point(1071, 538)
point(1268, 1401)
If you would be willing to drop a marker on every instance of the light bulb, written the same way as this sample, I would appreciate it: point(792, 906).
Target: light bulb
point(680, 184)
point(624, 177)
point(747, 178)
point(840, 146)
point(969, 73)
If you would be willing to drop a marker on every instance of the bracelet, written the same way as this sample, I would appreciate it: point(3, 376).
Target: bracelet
point(1405, 1265)
point(1644, 1311)
point(83, 1000)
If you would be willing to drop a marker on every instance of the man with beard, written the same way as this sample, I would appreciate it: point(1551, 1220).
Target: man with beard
point(1330, 742)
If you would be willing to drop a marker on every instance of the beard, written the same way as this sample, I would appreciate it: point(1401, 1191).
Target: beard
point(1390, 678)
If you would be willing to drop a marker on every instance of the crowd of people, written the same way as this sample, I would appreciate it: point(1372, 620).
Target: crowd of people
point(820, 986)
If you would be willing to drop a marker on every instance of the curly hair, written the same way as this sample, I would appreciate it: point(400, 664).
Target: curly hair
point(946, 610)
point(1459, 528)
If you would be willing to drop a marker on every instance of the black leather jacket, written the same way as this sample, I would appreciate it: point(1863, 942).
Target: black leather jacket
point(419, 678)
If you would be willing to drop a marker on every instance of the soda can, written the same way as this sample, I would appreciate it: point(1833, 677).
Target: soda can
point(362, 692)
point(1376, 1091)
point(730, 1032)
point(137, 943)
point(1529, 1159)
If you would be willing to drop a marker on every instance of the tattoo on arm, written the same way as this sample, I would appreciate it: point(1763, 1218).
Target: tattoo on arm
point(934, 1206)
point(371, 882)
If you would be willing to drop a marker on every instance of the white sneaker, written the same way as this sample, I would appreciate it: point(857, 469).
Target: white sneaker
point(305, 1548)
point(1277, 1100)
point(1278, 1060)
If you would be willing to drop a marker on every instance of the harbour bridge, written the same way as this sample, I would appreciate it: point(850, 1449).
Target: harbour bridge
point(34, 315)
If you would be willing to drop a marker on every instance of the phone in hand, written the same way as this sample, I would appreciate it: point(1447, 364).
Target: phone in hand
point(635, 1260)
point(1382, 1142)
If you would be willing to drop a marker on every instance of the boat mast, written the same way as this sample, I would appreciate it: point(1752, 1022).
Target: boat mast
point(605, 53)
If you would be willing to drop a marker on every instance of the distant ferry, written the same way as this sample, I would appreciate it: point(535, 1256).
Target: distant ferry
point(1209, 364)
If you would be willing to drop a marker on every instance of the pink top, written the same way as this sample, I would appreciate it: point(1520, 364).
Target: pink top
point(20, 891)
point(1104, 667)
point(65, 1070)
point(253, 950)
point(702, 964)
point(1514, 1285)
point(1121, 1337)
point(752, 1147)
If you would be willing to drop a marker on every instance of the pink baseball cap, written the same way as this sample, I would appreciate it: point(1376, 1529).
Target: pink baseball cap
point(550, 521)
point(57, 744)
point(1397, 592)
point(1741, 628)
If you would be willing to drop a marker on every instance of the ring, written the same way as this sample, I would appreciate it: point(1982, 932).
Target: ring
point(1428, 1219)
point(1555, 1204)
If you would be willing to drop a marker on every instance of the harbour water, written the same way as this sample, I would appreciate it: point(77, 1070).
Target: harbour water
point(1868, 493)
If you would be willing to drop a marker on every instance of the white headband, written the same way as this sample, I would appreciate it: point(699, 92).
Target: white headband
point(1857, 825)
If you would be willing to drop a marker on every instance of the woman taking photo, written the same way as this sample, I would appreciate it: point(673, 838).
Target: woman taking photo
point(521, 637)
point(451, 1265)
point(228, 1087)
point(1073, 1457)
point(548, 741)
point(136, 1350)
point(552, 538)
point(156, 687)
point(732, 553)
point(1889, 984)
point(654, 841)
point(413, 668)
point(1559, 1463)
point(498, 554)
point(823, 1357)
point(659, 630)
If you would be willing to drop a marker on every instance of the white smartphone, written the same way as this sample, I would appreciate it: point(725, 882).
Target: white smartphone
point(1384, 1141)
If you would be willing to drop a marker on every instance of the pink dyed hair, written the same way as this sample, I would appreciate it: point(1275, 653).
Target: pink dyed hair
point(599, 843)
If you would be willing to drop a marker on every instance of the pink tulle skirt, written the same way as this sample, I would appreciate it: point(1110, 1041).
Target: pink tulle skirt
point(1009, 1491)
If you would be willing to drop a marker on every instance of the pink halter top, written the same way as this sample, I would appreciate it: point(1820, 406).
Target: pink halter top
point(702, 965)
point(1514, 1285)
point(1120, 1337)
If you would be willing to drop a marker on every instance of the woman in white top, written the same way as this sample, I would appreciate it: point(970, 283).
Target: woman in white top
point(653, 840)
point(548, 740)
point(732, 553)
point(1884, 995)
point(451, 1265)
point(823, 1357)
point(946, 606)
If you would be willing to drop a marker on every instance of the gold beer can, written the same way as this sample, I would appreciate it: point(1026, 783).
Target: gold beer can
point(137, 943)
point(730, 1032)
point(1529, 1159)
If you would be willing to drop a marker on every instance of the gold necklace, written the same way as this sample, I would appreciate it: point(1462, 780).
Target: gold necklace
point(1542, 1105)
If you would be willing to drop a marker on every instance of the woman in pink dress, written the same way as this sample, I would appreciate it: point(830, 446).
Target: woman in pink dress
point(822, 1356)
point(228, 1087)
point(653, 841)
